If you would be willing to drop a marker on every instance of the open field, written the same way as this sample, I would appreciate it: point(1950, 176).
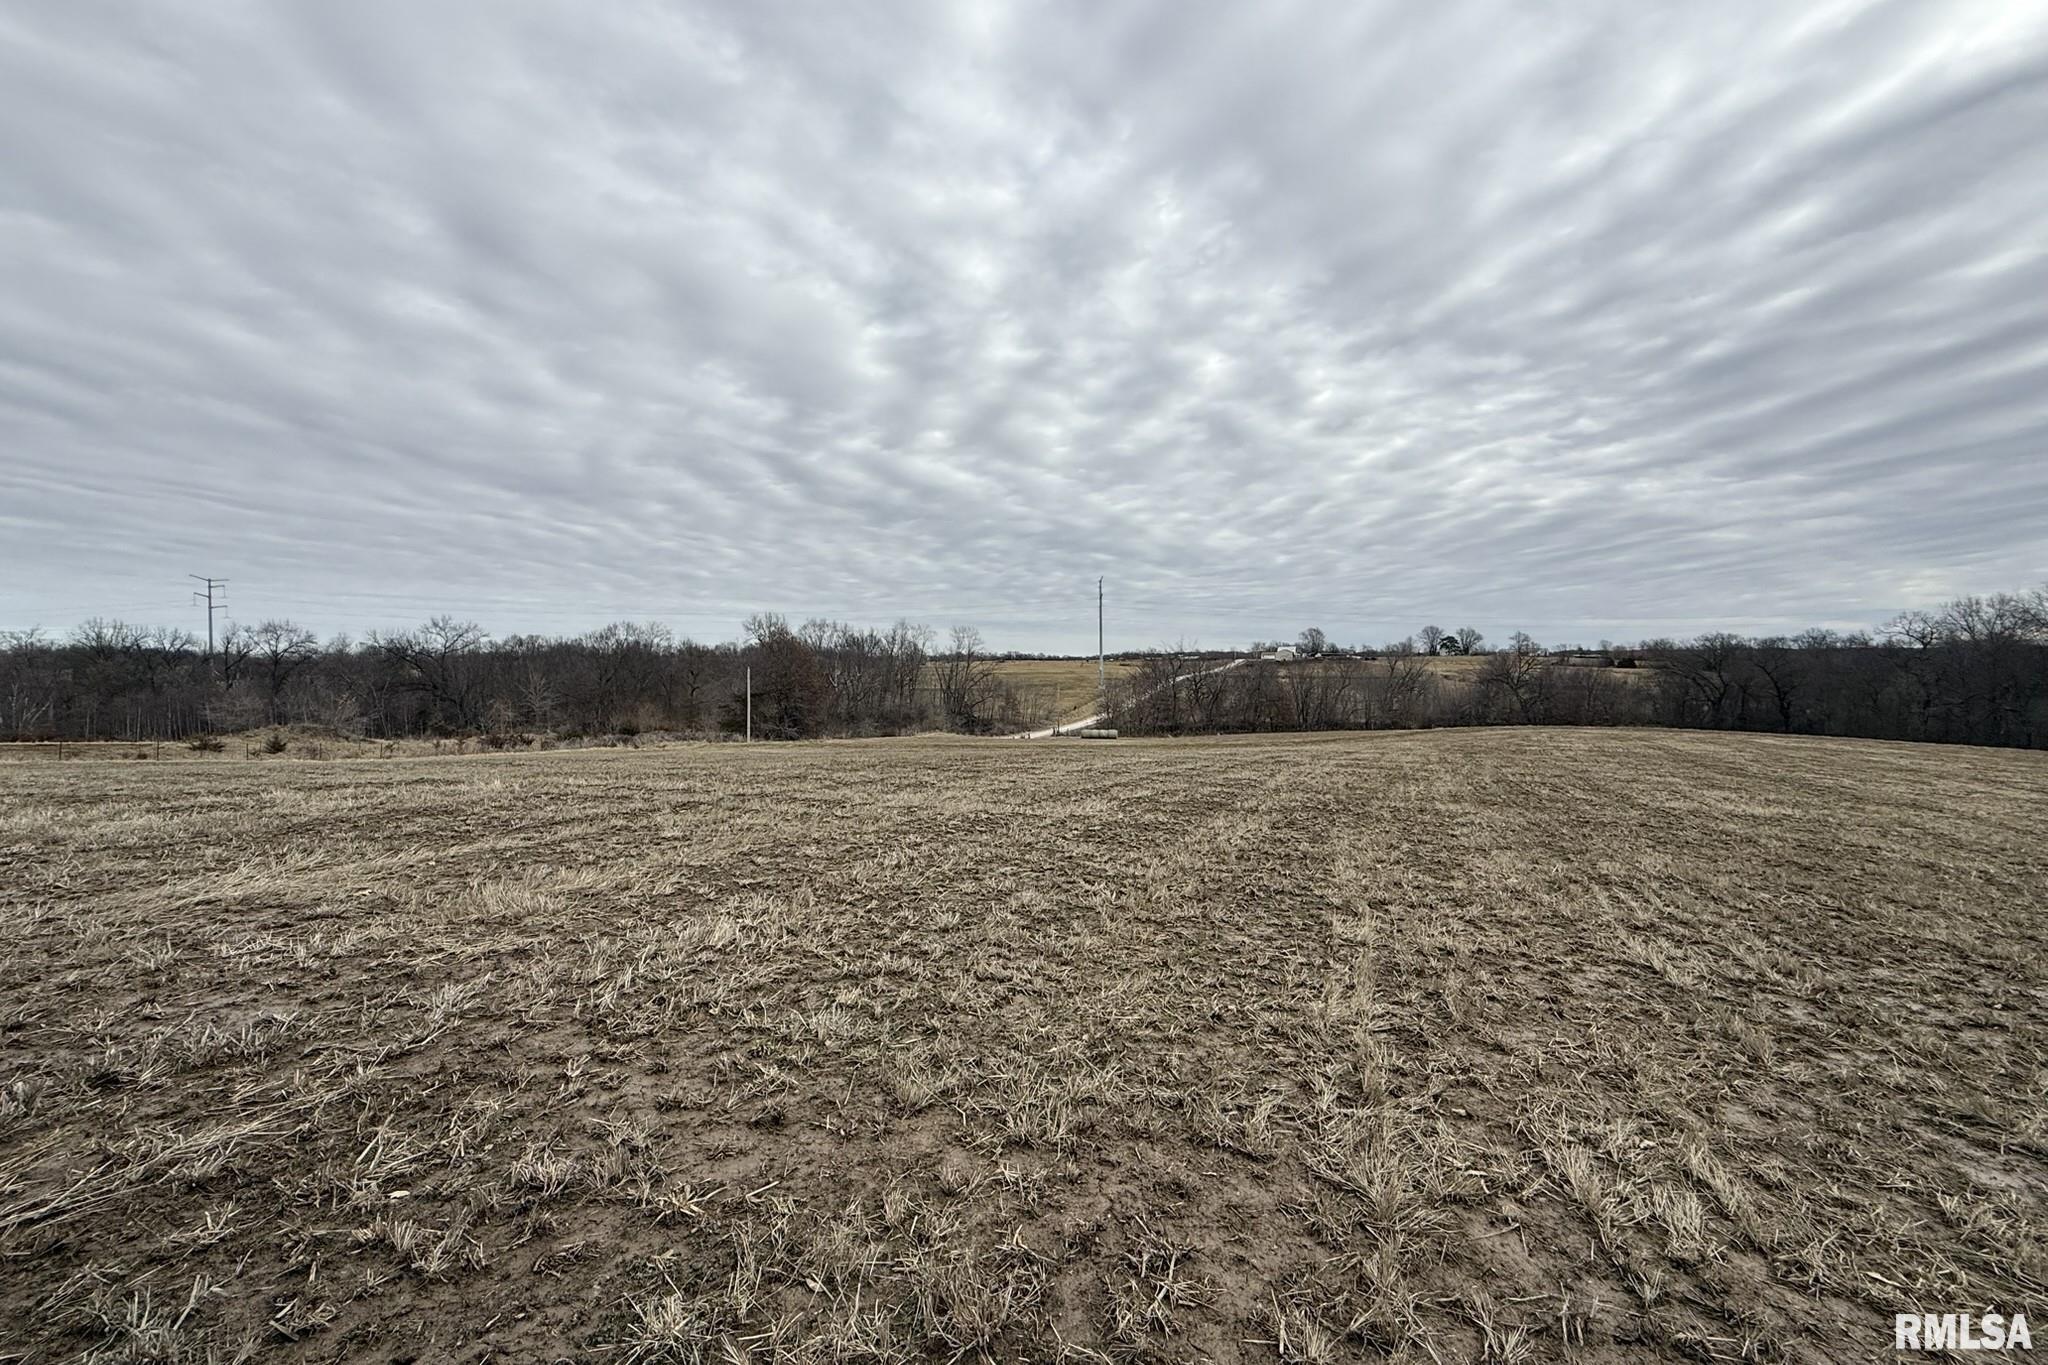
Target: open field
point(1060, 689)
point(1501, 1045)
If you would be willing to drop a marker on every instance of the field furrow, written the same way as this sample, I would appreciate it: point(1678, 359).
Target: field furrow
point(1496, 1045)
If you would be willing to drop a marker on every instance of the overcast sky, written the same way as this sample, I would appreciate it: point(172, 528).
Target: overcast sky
point(1594, 319)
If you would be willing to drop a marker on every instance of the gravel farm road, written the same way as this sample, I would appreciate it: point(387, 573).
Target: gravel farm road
point(1087, 721)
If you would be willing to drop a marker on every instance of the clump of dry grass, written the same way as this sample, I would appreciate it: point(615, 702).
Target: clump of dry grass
point(1484, 1045)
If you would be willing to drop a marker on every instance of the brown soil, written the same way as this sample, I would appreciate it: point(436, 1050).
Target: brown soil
point(1464, 1045)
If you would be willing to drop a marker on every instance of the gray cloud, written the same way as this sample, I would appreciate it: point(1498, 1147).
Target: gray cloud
point(1596, 319)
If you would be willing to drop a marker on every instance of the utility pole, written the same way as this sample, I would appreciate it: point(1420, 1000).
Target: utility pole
point(213, 585)
point(1101, 671)
point(750, 703)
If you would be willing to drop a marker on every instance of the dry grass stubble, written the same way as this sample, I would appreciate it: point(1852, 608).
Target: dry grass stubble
point(1464, 1045)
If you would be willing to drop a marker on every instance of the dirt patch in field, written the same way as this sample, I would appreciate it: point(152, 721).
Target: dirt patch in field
point(1495, 1045)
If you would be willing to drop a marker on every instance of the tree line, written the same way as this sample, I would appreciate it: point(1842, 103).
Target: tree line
point(1973, 671)
point(112, 680)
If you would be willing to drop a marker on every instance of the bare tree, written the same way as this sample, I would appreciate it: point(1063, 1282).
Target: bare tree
point(1518, 675)
point(2034, 614)
point(1430, 638)
point(1321, 695)
point(697, 667)
point(1783, 667)
point(236, 648)
point(966, 680)
point(764, 625)
point(1711, 667)
point(1401, 690)
point(1312, 641)
point(792, 693)
point(1470, 641)
point(627, 677)
point(281, 650)
point(1204, 683)
point(30, 682)
point(440, 662)
point(534, 687)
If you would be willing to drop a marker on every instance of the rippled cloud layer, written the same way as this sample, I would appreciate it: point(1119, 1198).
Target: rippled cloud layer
point(1595, 319)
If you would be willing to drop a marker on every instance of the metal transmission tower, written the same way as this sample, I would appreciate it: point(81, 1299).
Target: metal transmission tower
point(213, 585)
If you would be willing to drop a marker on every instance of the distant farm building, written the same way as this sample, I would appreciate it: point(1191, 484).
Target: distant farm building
point(1284, 654)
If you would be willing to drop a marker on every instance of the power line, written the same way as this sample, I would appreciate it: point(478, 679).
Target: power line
point(1101, 670)
point(213, 585)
